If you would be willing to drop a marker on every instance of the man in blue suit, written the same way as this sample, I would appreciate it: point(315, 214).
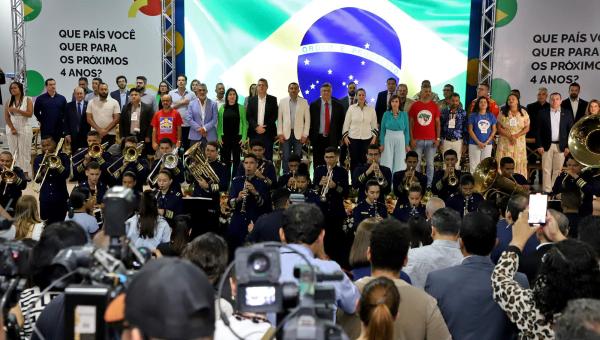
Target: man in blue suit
point(76, 125)
point(201, 116)
point(464, 292)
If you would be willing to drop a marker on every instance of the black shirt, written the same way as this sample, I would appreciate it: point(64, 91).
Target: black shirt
point(231, 121)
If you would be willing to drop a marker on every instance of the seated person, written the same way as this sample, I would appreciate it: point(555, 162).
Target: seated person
point(404, 211)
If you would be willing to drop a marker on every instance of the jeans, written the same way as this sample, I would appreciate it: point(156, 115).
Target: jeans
point(427, 147)
point(289, 147)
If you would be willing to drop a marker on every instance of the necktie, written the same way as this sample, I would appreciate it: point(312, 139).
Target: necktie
point(79, 108)
point(327, 118)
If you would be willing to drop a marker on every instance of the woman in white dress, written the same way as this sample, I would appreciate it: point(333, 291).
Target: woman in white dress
point(18, 129)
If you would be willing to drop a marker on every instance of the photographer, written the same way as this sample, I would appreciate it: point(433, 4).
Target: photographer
point(55, 237)
point(303, 231)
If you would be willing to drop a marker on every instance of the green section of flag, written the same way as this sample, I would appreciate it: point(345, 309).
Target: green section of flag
point(35, 83)
point(449, 19)
point(31, 9)
point(505, 12)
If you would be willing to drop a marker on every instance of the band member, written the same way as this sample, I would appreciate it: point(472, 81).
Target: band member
point(466, 200)
point(83, 157)
point(507, 169)
point(372, 170)
point(404, 179)
point(12, 185)
point(93, 183)
point(293, 164)
point(331, 182)
point(129, 181)
point(266, 170)
point(168, 196)
point(139, 166)
point(413, 207)
point(53, 180)
point(371, 206)
point(166, 147)
point(589, 184)
point(445, 181)
point(567, 180)
point(247, 197)
point(302, 186)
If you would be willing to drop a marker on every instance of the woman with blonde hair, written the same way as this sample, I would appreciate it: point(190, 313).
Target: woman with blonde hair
point(593, 107)
point(27, 219)
point(378, 308)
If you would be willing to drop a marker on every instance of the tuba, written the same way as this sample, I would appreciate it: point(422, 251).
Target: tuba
point(584, 141)
point(490, 184)
point(197, 164)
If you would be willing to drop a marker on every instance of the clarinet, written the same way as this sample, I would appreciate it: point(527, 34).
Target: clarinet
point(466, 205)
point(247, 180)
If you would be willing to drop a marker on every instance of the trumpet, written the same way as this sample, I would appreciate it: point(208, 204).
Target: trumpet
point(195, 161)
point(50, 161)
point(8, 175)
point(130, 154)
point(325, 189)
point(95, 150)
point(167, 161)
point(294, 187)
point(378, 175)
point(376, 212)
point(452, 179)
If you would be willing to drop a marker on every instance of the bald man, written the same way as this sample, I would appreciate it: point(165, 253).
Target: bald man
point(76, 125)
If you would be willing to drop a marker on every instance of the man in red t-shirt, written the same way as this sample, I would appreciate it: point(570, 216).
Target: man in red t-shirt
point(424, 116)
point(166, 123)
point(483, 90)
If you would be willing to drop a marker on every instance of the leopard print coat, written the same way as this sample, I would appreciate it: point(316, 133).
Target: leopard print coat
point(518, 302)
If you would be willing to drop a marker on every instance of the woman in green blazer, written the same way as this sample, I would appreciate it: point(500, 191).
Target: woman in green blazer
point(232, 129)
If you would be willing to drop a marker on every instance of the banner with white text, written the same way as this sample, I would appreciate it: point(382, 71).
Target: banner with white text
point(546, 43)
point(69, 39)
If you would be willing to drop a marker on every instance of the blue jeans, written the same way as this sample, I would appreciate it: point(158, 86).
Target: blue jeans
point(289, 147)
point(429, 149)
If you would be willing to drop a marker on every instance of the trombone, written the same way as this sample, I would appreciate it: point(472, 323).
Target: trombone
point(50, 161)
point(130, 154)
point(8, 175)
point(95, 150)
point(167, 161)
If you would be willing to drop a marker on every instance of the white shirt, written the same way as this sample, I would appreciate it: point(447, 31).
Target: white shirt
point(555, 124)
point(360, 123)
point(220, 102)
point(202, 108)
point(574, 105)
point(103, 112)
point(261, 110)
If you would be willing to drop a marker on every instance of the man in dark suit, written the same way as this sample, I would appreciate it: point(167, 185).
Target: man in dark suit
point(76, 125)
point(533, 110)
point(266, 228)
point(326, 123)
point(383, 98)
point(121, 95)
point(464, 292)
point(530, 264)
point(575, 104)
point(554, 125)
point(135, 120)
point(262, 117)
point(350, 98)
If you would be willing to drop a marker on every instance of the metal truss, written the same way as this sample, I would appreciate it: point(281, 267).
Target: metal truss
point(17, 8)
point(486, 44)
point(167, 30)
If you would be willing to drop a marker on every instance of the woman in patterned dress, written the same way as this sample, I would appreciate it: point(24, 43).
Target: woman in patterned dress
point(513, 124)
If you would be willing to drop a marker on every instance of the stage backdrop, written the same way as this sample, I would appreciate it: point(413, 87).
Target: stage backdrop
point(311, 42)
point(68, 39)
point(546, 43)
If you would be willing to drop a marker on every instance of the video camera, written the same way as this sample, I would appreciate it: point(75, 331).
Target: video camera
point(306, 308)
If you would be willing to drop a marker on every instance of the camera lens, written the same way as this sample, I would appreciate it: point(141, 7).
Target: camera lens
point(260, 263)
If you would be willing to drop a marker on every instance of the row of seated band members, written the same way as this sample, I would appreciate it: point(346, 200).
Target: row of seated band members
point(100, 170)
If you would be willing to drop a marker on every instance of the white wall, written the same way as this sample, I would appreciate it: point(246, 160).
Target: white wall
point(6, 52)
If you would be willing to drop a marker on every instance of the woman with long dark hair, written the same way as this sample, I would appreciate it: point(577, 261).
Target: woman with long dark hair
point(482, 129)
point(147, 228)
point(232, 129)
point(251, 93)
point(163, 88)
point(180, 237)
point(18, 129)
point(513, 125)
point(81, 203)
point(569, 270)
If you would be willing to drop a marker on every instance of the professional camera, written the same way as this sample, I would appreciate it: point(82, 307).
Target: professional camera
point(306, 308)
point(14, 268)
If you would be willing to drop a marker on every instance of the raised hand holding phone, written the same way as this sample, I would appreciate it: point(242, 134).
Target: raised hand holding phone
point(522, 231)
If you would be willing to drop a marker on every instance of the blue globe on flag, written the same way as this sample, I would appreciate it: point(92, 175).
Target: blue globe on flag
point(348, 45)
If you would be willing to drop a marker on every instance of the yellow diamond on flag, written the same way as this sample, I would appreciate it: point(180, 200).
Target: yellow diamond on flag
point(27, 10)
point(500, 15)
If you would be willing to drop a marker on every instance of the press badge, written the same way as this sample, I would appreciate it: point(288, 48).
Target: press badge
point(134, 116)
point(512, 122)
point(452, 123)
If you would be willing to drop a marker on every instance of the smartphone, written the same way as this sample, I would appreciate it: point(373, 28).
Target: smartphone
point(538, 205)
